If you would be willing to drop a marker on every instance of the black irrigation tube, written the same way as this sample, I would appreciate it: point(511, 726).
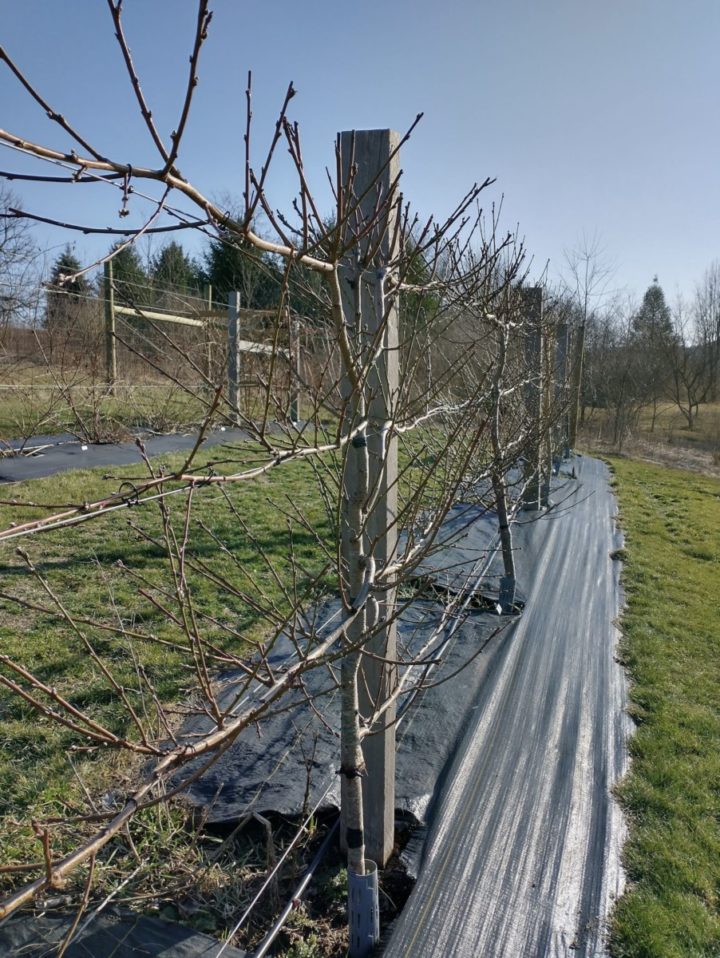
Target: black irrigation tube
point(262, 949)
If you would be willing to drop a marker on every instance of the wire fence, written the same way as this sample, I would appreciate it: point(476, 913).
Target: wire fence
point(168, 358)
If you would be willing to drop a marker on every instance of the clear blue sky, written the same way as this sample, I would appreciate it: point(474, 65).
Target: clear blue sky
point(596, 116)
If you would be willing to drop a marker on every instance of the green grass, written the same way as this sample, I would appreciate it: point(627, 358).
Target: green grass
point(94, 567)
point(274, 534)
point(86, 410)
point(671, 646)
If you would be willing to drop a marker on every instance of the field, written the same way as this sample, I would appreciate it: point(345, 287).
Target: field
point(49, 387)
point(666, 440)
point(113, 578)
point(114, 571)
point(91, 414)
point(671, 647)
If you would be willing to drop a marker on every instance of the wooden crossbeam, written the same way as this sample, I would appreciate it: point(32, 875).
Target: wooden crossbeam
point(155, 316)
point(244, 345)
point(220, 314)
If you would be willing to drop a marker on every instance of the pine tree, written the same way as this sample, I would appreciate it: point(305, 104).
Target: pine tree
point(66, 299)
point(233, 266)
point(652, 338)
point(131, 281)
point(172, 270)
point(652, 324)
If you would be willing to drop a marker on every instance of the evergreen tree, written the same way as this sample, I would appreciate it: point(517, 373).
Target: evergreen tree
point(172, 270)
point(235, 266)
point(131, 281)
point(652, 324)
point(66, 301)
point(652, 339)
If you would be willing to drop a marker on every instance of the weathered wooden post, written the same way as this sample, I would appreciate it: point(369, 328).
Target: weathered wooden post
point(506, 594)
point(547, 338)
point(234, 354)
point(561, 388)
point(576, 387)
point(533, 343)
point(110, 341)
point(373, 321)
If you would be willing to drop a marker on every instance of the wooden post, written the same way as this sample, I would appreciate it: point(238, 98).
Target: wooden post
point(576, 388)
point(547, 335)
point(234, 355)
point(561, 388)
point(498, 478)
point(375, 322)
point(534, 395)
point(110, 341)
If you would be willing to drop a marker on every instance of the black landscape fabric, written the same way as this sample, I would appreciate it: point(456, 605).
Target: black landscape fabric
point(109, 935)
point(48, 455)
point(287, 763)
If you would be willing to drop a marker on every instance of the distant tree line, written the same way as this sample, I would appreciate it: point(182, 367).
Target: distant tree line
point(169, 279)
point(637, 357)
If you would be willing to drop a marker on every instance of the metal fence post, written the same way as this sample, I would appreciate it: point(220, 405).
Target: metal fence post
point(110, 341)
point(234, 354)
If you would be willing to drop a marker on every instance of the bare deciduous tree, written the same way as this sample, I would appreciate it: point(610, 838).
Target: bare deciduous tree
point(18, 273)
point(459, 424)
point(691, 357)
point(588, 275)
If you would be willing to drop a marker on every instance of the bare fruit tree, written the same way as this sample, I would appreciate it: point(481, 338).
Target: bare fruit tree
point(386, 453)
point(691, 357)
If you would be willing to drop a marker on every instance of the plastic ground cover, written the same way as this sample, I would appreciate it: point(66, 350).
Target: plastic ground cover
point(523, 852)
point(287, 763)
point(110, 935)
point(64, 451)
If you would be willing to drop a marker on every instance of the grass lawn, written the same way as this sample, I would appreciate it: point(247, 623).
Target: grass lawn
point(671, 647)
point(249, 538)
point(39, 409)
point(101, 569)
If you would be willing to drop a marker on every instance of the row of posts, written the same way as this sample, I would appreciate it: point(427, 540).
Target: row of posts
point(375, 167)
point(373, 320)
point(551, 397)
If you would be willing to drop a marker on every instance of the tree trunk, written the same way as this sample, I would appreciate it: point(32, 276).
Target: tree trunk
point(352, 766)
point(654, 414)
point(498, 476)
